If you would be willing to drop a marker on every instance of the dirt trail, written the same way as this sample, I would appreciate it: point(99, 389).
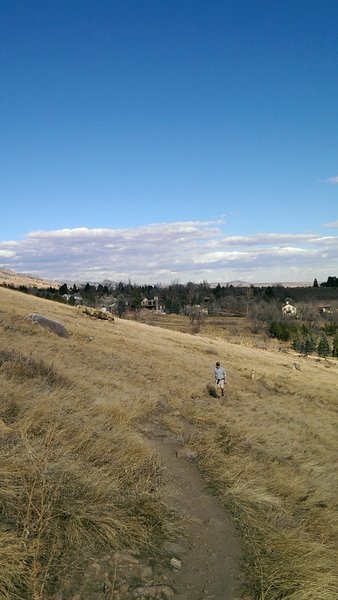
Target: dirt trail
point(202, 562)
point(210, 551)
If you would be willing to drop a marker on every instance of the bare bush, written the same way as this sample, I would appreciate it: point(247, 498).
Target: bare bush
point(262, 315)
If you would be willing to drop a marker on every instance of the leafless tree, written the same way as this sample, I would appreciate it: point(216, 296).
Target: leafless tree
point(263, 314)
point(197, 316)
point(309, 314)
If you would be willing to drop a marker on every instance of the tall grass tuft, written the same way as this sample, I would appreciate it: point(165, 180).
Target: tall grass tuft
point(75, 482)
point(290, 552)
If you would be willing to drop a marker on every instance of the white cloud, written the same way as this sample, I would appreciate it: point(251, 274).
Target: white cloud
point(161, 252)
point(333, 224)
point(333, 180)
point(266, 239)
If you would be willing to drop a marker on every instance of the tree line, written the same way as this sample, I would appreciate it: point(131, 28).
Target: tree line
point(175, 296)
point(261, 305)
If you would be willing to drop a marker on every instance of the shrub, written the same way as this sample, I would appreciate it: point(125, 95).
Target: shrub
point(323, 348)
point(211, 390)
point(20, 367)
point(331, 328)
point(280, 330)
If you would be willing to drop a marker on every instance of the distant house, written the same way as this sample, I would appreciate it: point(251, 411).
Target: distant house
point(151, 304)
point(289, 310)
point(78, 299)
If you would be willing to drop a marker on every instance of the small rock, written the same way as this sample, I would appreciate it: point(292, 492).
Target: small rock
point(186, 453)
point(195, 520)
point(295, 365)
point(175, 563)
point(153, 591)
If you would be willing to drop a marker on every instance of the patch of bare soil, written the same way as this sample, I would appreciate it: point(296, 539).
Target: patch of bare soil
point(209, 553)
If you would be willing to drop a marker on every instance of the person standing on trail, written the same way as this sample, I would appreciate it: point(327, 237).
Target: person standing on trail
point(220, 379)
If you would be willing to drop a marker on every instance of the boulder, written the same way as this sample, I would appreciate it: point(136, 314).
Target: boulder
point(48, 323)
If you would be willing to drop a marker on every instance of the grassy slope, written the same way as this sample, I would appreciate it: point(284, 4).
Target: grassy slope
point(268, 451)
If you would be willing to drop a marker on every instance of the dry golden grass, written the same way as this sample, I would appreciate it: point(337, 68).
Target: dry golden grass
point(15, 279)
point(77, 475)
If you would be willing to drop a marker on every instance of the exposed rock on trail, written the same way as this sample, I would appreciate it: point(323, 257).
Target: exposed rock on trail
point(202, 562)
point(208, 556)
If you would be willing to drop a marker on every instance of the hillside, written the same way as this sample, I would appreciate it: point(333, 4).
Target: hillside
point(104, 435)
point(15, 279)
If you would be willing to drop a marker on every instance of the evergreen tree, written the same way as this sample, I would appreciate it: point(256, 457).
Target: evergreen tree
point(175, 307)
point(218, 292)
point(331, 282)
point(136, 298)
point(268, 294)
point(297, 343)
point(310, 344)
point(63, 289)
point(315, 283)
point(88, 288)
point(323, 348)
point(88, 293)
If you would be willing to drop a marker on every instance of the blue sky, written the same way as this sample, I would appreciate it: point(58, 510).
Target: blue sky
point(161, 140)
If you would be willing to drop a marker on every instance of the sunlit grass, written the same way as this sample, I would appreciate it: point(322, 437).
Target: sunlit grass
point(78, 477)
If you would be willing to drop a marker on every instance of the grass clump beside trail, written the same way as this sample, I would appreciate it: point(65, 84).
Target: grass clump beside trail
point(290, 539)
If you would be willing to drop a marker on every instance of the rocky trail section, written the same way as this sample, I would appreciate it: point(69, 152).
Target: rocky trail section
point(201, 563)
point(209, 554)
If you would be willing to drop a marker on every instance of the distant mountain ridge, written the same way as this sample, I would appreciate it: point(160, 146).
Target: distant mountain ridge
point(13, 278)
point(238, 283)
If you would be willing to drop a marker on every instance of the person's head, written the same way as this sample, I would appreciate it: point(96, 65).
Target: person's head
point(218, 364)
